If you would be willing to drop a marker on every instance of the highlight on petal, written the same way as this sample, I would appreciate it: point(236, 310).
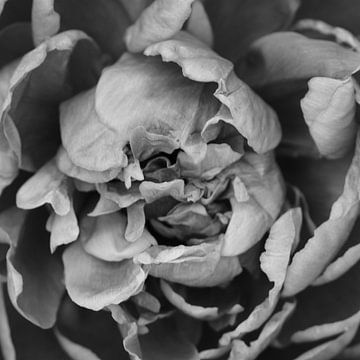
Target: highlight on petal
point(94, 283)
point(329, 111)
point(274, 263)
point(329, 237)
point(160, 21)
point(251, 117)
point(103, 20)
point(30, 116)
point(105, 238)
point(35, 281)
point(47, 185)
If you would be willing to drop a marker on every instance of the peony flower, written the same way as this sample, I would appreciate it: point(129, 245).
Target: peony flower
point(179, 179)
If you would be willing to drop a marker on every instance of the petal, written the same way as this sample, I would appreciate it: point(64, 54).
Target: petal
point(255, 120)
point(64, 229)
point(30, 341)
point(218, 157)
point(309, 263)
point(160, 21)
point(252, 217)
point(329, 111)
point(330, 349)
point(240, 350)
point(199, 25)
point(285, 57)
point(35, 279)
point(47, 185)
point(94, 283)
point(201, 309)
point(74, 350)
point(103, 20)
point(274, 262)
point(104, 237)
point(198, 265)
point(66, 166)
point(237, 24)
point(30, 113)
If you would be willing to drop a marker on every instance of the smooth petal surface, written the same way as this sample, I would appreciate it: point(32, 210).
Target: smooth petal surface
point(94, 283)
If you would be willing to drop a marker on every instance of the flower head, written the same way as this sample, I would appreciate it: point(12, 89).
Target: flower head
point(180, 179)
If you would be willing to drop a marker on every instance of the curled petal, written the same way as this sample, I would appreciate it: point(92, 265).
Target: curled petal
point(329, 111)
point(329, 236)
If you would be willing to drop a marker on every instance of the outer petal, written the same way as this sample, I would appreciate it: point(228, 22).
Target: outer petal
point(329, 111)
point(30, 117)
point(35, 282)
point(274, 262)
point(309, 262)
